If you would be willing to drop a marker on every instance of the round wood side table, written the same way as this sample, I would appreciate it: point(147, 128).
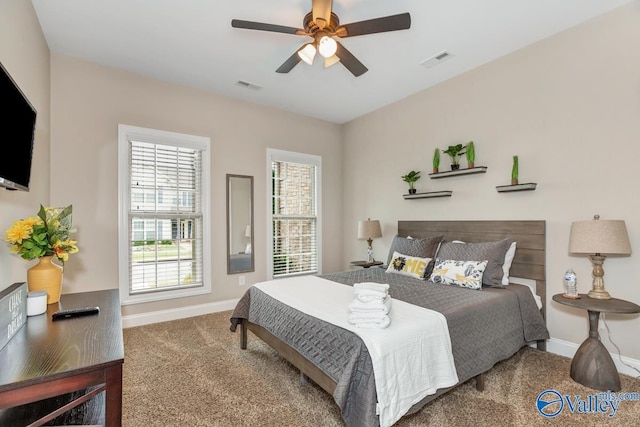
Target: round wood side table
point(592, 364)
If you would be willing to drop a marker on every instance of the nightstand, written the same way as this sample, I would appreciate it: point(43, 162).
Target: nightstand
point(592, 365)
point(366, 264)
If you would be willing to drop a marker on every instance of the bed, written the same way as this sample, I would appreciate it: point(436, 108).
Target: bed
point(485, 326)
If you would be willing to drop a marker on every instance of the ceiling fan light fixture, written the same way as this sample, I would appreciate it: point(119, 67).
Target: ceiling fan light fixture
point(327, 46)
point(332, 60)
point(307, 53)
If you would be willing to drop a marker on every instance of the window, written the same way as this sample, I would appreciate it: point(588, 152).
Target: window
point(294, 221)
point(164, 214)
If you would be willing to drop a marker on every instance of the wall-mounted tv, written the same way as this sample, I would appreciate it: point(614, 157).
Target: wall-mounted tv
point(17, 124)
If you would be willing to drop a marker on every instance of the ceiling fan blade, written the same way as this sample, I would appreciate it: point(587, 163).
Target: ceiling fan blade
point(356, 67)
point(377, 25)
point(291, 62)
point(250, 25)
point(321, 10)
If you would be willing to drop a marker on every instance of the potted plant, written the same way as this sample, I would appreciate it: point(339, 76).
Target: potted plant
point(514, 171)
point(411, 178)
point(455, 152)
point(436, 160)
point(471, 155)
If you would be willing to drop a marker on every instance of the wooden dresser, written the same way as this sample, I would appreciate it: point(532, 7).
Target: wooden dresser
point(70, 370)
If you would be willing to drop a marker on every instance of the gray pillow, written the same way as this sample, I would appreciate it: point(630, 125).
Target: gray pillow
point(493, 252)
point(422, 248)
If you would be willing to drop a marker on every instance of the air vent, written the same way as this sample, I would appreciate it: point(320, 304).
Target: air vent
point(248, 85)
point(437, 59)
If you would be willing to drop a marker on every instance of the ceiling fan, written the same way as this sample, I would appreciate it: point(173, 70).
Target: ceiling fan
point(322, 25)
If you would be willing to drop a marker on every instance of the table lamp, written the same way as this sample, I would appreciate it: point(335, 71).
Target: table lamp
point(247, 234)
point(369, 229)
point(599, 238)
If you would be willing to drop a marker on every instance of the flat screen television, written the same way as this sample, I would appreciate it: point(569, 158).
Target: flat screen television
point(18, 124)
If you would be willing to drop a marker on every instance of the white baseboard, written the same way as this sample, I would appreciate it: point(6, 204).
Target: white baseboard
point(177, 313)
point(568, 349)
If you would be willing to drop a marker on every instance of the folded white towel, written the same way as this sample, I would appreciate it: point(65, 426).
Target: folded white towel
point(372, 286)
point(366, 295)
point(355, 318)
point(374, 306)
point(375, 325)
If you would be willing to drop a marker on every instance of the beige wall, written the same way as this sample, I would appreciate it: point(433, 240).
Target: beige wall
point(569, 107)
point(89, 101)
point(25, 55)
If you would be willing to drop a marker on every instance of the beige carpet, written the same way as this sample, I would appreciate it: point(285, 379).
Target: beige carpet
point(192, 372)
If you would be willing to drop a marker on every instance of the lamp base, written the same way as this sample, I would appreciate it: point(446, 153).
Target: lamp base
point(370, 251)
point(598, 294)
point(597, 290)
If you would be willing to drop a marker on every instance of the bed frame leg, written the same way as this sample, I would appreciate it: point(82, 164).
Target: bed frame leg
point(480, 382)
point(304, 380)
point(541, 345)
point(243, 334)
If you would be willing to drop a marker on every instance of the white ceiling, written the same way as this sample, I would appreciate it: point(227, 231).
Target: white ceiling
point(191, 42)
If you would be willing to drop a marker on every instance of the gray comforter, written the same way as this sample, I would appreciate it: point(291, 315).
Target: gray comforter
point(485, 326)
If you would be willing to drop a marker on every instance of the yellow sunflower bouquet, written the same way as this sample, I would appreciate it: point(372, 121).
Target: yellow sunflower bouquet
point(47, 234)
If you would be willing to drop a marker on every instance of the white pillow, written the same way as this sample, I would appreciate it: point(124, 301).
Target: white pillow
point(508, 259)
point(467, 274)
point(408, 265)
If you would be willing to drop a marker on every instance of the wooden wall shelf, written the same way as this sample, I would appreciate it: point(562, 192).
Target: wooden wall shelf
point(530, 186)
point(428, 195)
point(467, 171)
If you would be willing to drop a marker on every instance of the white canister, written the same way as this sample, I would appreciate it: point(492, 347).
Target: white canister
point(36, 303)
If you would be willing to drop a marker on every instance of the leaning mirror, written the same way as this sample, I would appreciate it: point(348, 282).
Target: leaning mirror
point(240, 257)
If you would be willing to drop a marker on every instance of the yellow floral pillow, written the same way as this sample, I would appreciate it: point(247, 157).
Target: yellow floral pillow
point(408, 265)
point(467, 274)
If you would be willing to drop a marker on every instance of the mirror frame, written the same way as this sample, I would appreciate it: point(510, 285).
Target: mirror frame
point(252, 267)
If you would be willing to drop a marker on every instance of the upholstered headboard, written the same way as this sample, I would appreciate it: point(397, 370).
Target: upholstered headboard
point(530, 258)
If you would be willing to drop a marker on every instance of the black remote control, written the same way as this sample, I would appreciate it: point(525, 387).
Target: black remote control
point(74, 312)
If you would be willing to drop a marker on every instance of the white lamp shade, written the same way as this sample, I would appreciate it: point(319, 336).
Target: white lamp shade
point(307, 53)
point(597, 236)
point(332, 60)
point(327, 46)
point(369, 229)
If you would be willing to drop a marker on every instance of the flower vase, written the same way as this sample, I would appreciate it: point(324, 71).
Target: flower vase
point(46, 276)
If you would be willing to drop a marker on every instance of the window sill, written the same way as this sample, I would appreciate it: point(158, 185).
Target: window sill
point(141, 298)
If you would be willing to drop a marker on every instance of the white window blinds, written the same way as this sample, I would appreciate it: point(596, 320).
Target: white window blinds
point(165, 217)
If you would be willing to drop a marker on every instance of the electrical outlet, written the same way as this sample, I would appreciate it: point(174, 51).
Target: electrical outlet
point(241, 280)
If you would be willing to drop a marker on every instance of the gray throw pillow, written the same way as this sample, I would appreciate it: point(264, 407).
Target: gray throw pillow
point(493, 252)
point(422, 248)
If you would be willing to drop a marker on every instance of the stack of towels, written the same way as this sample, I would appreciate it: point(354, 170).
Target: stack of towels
point(371, 305)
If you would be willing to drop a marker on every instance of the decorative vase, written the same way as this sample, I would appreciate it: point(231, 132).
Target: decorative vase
point(46, 276)
point(412, 191)
point(471, 165)
point(514, 181)
point(455, 167)
point(435, 170)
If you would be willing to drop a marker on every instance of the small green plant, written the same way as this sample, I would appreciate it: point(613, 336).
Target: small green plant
point(455, 152)
point(471, 154)
point(514, 171)
point(436, 160)
point(411, 178)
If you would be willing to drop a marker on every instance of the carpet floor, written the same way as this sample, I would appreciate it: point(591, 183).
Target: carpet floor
point(191, 372)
